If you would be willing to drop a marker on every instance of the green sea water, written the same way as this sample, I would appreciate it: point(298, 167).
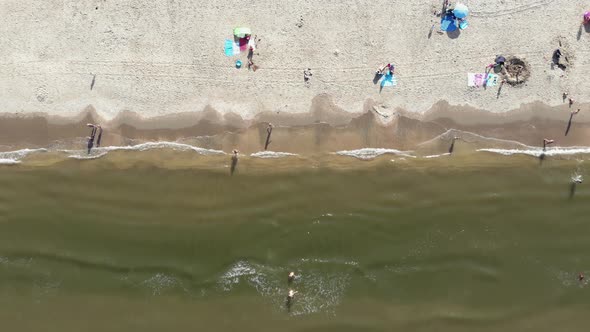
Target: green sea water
point(122, 243)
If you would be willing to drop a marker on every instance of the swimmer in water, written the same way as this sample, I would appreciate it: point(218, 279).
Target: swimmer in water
point(581, 276)
point(291, 277)
point(291, 296)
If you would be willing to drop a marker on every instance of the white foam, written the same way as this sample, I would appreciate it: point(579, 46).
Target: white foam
point(99, 152)
point(272, 154)
point(577, 178)
point(160, 282)
point(82, 156)
point(162, 145)
point(537, 152)
point(252, 274)
point(371, 153)
point(437, 155)
point(8, 161)
point(14, 157)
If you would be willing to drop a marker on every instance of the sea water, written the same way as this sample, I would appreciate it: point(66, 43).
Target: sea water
point(160, 237)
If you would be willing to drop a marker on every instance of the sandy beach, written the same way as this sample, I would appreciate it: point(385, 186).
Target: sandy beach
point(161, 65)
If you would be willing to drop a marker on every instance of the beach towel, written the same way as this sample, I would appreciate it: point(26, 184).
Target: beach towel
point(389, 80)
point(231, 48)
point(448, 23)
point(463, 25)
point(481, 79)
point(492, 80)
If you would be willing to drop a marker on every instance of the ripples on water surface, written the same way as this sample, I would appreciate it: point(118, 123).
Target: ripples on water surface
point(158, 236)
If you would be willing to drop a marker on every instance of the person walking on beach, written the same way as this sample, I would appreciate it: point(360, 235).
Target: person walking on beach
point(268, 133)
point(307, 74)
point(90, 139)
point(99, 138)
point(547, 142)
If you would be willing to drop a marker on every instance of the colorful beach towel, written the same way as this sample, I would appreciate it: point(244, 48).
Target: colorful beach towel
point(463, 24)
point(448, 23)
point(389, 80)
point(232, 48)
point(492, 80)
point(482, 79)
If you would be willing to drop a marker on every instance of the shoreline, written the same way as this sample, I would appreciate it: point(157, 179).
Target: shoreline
point(324, 128)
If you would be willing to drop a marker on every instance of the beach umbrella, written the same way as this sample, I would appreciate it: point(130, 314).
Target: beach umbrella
point(587, 16)
point(242, 32)
point(460, 11)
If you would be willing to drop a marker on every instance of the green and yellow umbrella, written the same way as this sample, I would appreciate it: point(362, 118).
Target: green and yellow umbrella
point(242, 32)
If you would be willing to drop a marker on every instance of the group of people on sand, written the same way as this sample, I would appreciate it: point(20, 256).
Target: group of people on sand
point(91, 138)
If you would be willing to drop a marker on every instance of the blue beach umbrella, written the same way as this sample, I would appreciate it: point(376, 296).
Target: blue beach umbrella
point(460, 11)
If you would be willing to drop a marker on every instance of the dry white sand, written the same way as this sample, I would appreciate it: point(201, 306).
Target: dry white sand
point(166, 56)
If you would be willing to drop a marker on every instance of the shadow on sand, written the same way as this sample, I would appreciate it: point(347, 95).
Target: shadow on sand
point(454, 34)
point(569, 124)
point(377, 78)
point(583, 27)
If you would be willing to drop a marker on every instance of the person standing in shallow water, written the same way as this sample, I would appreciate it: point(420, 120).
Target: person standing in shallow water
point(90, 139)
point(290, 298)
point(234, 161)
point(99, 136)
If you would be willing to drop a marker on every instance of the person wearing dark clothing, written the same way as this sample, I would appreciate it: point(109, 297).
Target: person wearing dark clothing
point(91, 138)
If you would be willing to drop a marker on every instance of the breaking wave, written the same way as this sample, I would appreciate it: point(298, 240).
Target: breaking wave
point(372, 153)
point(319, 290)
point(15, 157)
point(537, 152)
point(273, 154)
